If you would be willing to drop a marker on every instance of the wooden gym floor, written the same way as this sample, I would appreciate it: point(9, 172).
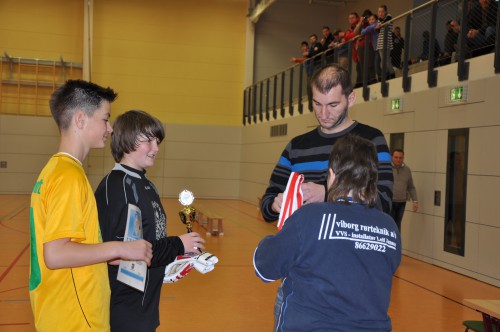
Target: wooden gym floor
point(232, 298)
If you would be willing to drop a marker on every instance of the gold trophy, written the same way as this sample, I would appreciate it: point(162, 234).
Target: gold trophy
point(188, 213)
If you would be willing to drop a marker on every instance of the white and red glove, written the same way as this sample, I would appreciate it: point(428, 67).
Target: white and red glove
point(183, 264)
point(178, 269)
point(204, 262)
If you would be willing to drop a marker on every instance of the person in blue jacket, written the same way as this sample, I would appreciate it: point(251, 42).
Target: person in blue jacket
point(337, 258)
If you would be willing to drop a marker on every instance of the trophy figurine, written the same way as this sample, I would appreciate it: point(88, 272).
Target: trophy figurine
point(188, 213)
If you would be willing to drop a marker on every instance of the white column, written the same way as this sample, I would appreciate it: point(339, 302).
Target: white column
point(249, 53)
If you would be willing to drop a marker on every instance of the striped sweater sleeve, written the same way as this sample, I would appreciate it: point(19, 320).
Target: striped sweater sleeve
point(385, 177)
point(277, 184)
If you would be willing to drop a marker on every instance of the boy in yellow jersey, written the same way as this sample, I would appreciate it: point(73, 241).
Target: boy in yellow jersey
point(68, 284)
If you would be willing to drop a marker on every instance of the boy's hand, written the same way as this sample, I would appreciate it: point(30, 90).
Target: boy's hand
point(192, 242)
point(139, 250)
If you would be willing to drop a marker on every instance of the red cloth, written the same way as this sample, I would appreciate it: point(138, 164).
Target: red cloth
point(292, 198)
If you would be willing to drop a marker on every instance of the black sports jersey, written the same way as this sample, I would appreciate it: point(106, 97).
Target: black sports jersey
point(132, 310)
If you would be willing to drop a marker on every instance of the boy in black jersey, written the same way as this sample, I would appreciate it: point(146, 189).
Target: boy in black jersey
point(134, 145)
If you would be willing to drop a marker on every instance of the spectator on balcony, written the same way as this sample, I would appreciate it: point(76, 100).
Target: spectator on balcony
point(426, 47)
point(326, 41)
point(304, 50)
point(354, 23)
point(327, 38)
point(482, 23)
point(366, 42)
point(340, 46)
point(371, 31)
point(315, 48)
point(455, 25)
point(450, 43)
point(384, 19)
point(398, 45)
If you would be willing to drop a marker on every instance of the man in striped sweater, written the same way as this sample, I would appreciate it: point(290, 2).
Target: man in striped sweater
point(308, 154)
point(332, 94)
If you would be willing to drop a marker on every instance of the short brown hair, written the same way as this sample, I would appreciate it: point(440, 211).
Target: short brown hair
point(397, 150)
point(127, 128)
point(77, 95)
point(329, 77)
point(355, 164)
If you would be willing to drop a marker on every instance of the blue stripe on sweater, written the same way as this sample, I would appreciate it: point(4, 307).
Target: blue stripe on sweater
point(321, 165)
point(300, 167)
point(384, 156)
point(284, 162)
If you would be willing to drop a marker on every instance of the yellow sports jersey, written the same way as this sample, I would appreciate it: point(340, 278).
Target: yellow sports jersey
point(63, 206)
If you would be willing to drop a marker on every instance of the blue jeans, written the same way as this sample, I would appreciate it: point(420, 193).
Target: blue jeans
point(397, 211)
point(388, 61)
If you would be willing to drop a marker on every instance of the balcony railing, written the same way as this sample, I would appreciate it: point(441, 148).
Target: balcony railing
point(288, 90)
